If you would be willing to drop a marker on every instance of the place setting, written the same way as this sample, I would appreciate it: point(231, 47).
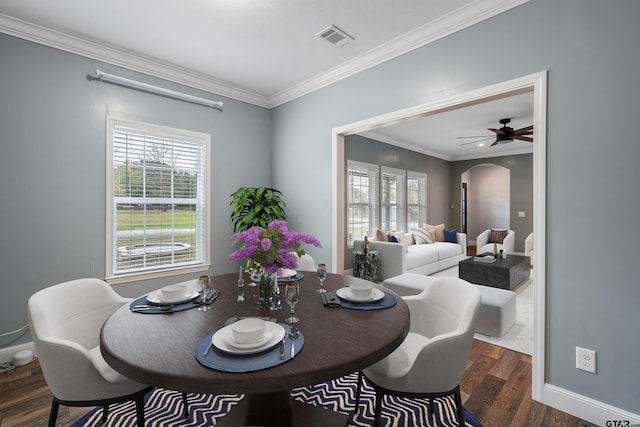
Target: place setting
point(249, 344)
point(176, 297)
point(359, 296)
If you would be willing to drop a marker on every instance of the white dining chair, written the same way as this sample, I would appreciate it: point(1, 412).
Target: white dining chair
point(65, 321)
point(431, 360)
point(306, 263)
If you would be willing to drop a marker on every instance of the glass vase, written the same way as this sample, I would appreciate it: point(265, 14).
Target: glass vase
point(265, 288)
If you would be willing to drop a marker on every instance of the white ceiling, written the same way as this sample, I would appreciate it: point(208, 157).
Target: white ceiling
point(447, 135)
point(265, 52)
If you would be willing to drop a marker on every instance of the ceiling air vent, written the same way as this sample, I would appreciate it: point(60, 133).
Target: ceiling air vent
point(335, 36)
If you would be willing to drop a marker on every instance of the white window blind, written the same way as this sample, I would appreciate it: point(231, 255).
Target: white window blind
point(157, 200)
point(392, 204)
point(362, 200)
point(416, 199)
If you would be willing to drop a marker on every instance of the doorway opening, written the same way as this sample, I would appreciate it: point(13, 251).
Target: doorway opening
point(537, 83)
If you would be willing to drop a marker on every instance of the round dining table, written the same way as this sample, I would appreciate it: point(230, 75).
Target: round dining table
point(159, 349)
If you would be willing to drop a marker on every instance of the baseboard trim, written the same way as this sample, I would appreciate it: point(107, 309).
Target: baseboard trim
point(6, 353)
point(586, 408)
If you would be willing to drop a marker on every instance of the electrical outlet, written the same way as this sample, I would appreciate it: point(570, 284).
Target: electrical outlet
point(586, 360)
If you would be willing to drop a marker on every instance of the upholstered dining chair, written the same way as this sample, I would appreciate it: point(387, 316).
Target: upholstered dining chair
point(306, 263)
point(486, 239)
point(65, 321)
point(431, 360)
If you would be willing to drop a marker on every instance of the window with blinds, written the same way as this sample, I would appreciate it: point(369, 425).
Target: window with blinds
point(392, 203)
point(157, 200)
point(416, 199)
point(362, 200)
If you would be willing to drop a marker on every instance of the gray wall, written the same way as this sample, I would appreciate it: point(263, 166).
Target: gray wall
point(520, 192)
point(589, 48)
point(52, 164)
point(52, 168)
point(367, 150)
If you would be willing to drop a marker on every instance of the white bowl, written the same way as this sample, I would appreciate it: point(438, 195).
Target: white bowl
point(248, 331)
point(361, 290)
point(172, 292)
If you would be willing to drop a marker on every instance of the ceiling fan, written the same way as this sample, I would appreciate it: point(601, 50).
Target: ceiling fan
point(505, 134)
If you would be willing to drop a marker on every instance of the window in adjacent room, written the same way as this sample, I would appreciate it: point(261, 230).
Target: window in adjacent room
point(392, 203)
point(157, 200)
point(362, 200)
point(416, 199)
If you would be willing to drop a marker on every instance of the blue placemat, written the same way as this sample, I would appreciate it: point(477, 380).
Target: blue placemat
point(222, 361)
point(386, 302)
point(299, 276)
point(157, 309)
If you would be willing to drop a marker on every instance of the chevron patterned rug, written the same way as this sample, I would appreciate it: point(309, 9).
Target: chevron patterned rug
point(163, 408)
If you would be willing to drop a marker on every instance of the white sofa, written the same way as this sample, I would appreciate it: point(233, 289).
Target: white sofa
point(428, 258)
point(483, 245)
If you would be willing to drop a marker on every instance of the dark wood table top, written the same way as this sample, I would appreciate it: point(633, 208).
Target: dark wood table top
point(159, 349)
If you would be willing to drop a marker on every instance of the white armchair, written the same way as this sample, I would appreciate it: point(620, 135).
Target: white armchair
point(432, 359)
point(528, 247)
point(65, 321)
point(507, 245)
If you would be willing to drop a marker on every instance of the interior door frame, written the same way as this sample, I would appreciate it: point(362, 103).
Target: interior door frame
point(537, 83)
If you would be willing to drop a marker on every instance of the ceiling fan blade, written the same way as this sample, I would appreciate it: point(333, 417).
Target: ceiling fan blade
point(523, 138)
point(524, 131)
point(475, 142)
point(495, 143)
point(497, 131)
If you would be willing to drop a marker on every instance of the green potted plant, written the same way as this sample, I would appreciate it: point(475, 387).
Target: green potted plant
point(256, 206)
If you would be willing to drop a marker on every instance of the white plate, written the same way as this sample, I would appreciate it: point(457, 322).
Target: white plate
point(156, 297)
point(287, 273)
point(346, 294)
point(223, 337)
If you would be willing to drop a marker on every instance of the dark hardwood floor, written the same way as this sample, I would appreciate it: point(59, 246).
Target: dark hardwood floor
point(496, 388)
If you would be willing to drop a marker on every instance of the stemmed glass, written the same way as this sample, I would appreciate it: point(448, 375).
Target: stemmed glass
point(203, 284)
point(251, 268)
point(322, 275)
point(292, 294)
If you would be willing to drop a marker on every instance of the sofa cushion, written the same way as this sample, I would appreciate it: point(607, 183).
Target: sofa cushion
point(422, 236)
point(419, 255)
point(447, 250)
point(437, 231)
point(450, 236)
point(497, 236)
point(380, 235)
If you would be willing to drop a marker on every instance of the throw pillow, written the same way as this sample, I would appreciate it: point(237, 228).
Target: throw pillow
point(392, 238)
point(497, 236)
point(450, 236)
point(421, 236)
point(436, 231)
point(380, 235)
point(399, 235)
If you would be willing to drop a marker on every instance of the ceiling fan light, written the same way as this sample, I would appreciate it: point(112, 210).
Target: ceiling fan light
point(503, 139)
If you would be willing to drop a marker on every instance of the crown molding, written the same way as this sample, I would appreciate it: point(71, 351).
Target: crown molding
point(448, 24)
point(129, 59)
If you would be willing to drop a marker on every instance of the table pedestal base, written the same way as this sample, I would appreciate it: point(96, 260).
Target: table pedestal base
point(279, 410)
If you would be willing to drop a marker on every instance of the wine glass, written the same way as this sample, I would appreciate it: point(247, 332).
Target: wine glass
point(322, 275)
point(292, 294)
point(203, 285)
